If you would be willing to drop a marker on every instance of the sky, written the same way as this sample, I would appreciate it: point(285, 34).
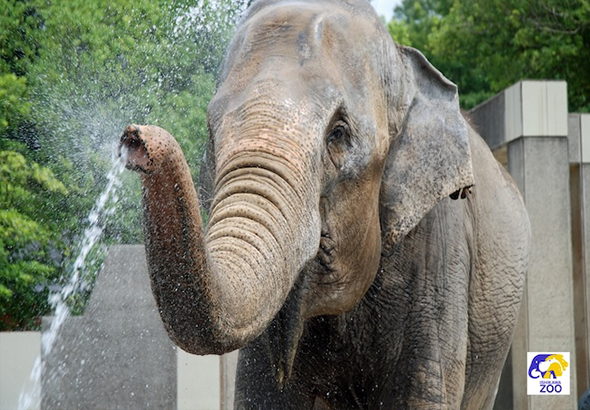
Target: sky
point(385, 7)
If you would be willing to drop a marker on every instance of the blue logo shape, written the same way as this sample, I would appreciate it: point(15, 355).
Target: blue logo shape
point(553, 365)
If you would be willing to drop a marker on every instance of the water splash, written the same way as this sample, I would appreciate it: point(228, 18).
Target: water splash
point(78, 282)
point(198, 18)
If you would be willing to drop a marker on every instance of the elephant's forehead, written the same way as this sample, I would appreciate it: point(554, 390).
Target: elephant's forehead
point(300, 39)
point(273, 104)
point(271, 111)
point(286, 21)
point(284, 152)
point(306, 32)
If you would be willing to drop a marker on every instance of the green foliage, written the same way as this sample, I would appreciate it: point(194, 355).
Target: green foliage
point(29, 248)
point(18, 38)
point(119, 62)
point(18, 50)
point(414, 20)
point(486, 46)
point(13, 103)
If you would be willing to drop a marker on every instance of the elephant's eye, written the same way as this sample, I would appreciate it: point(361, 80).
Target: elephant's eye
point(338, 132)
point(338, 143)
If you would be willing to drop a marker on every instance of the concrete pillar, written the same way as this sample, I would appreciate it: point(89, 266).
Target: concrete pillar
point(529, 120)
point(229, 364)
point(579, 150)
point(197, 381)
point(18, 353)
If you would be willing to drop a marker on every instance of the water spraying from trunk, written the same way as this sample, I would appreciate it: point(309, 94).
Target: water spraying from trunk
point(77, 282)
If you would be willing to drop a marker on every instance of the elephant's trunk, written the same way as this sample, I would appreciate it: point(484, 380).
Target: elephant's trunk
point(216, 291)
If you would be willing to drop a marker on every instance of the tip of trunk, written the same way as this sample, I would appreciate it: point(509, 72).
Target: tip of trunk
point(146, 147)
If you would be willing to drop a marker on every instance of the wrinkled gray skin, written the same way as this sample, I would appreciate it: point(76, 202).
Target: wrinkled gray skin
point(335, 256)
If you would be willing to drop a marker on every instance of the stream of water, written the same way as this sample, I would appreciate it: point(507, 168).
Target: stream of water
point(77, 282)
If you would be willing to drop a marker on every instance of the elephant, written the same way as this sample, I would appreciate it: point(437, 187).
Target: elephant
point(363, 248)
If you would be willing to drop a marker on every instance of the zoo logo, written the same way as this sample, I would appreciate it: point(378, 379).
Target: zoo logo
point(548, 373)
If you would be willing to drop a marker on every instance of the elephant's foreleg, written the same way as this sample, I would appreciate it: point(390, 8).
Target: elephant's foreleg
point(434, 262)
point(430, 380)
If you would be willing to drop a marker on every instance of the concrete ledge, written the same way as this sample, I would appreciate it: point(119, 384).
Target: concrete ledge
point(526, 109)
point(118, 355)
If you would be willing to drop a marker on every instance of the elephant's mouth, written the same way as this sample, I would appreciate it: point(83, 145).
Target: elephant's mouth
point(285, 331)
point(287, 327)
point(326, 255)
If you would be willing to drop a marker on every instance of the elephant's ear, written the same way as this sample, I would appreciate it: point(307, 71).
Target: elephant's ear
point(430, 159)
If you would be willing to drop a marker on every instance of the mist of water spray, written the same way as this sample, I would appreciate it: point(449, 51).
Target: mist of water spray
point(77, 282)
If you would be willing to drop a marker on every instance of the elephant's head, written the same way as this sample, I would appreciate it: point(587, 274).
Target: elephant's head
point(328, 143)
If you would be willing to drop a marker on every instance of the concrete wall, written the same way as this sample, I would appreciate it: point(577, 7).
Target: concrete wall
point(229, 365)
point(529, 122)
point(116, 356)
point(579, 153)
point(18, 352)
point(198, 382)
point(198, 377)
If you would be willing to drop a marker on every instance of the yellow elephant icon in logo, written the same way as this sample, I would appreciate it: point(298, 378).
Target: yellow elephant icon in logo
point(556, 364)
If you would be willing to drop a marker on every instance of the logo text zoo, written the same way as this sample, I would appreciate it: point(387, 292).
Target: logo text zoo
point(548, 373)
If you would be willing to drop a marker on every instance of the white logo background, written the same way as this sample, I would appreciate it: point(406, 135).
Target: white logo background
point(537, 385)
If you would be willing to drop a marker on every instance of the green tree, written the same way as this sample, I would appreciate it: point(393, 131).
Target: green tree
point(103, 64)
point(485, 46)
point(18, 50)
point(414, 24)
point(30, 249)
point(13, 101)
point(414, 20)
point(19, 44)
